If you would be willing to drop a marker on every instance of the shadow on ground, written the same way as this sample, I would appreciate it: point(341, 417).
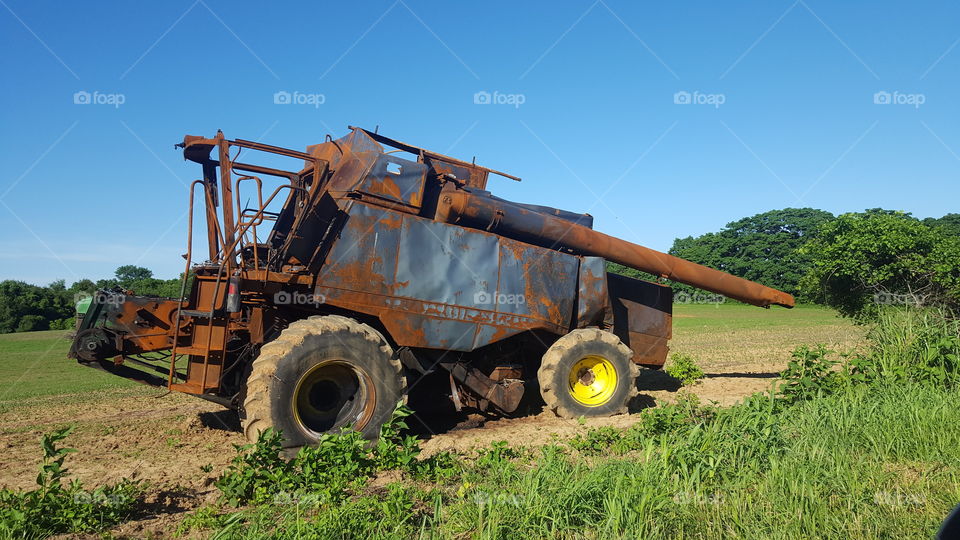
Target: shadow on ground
point(654, 380)
point(226, 420)
point(743, 375)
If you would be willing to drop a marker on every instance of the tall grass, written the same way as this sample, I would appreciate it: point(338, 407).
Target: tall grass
point(920, 344)
point(828, 468)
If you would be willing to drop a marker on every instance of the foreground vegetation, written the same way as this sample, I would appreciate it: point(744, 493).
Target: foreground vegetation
point(55, 506)
point(854, 447)
point(823, 469)
point(860, 446)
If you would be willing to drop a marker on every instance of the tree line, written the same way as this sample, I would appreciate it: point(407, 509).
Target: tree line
point(25, 307)
point(854, 262)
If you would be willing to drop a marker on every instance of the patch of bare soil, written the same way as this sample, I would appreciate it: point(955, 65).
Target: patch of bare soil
point(175, 444)
point(173, 441)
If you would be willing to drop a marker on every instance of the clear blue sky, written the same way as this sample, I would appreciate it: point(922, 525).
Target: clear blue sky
point(787, 114)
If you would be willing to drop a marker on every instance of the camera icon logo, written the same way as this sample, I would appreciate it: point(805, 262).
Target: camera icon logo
point(281, 98)
point(682, 98)
point(882, 98)
point(481, 98)
point(282, 298)
point(81, 98)
point(482, 298)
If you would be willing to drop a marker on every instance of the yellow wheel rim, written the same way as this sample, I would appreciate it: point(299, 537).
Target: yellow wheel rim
point(593, 380)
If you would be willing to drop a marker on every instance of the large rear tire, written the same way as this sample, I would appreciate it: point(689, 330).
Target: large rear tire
point(588, 372)
point(320, 375)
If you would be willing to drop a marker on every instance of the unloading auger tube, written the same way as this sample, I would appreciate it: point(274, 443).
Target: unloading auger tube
point(482, 211)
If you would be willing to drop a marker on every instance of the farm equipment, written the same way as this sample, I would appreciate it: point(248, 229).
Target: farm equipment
point(375, 269)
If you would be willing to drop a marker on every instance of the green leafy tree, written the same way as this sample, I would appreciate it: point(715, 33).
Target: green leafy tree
point(128, 274)
point(141, 281)
point(861, 261)
point(82, 286)
point(950, 222)
point(25, 307)
point(761, 248)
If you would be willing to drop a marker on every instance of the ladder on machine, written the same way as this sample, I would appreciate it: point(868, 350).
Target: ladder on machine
point(216, 285)
point(208, 309)
point(207, 349)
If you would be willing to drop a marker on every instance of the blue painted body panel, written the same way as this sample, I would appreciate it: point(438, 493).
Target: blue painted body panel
point(442, 286)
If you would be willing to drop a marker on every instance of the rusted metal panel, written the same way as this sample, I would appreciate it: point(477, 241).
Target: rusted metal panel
point(396, 179)
point(469, 174)
point(440, 286)
point(533, 281)
point(364, 257)
point(641, 316)
point(593, 300)
point(448, 265)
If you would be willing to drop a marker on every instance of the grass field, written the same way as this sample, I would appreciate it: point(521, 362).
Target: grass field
point(737, 335)
point(35, 364)
point(879, 462)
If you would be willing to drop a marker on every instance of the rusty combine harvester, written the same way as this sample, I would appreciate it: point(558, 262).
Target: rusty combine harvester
point(376, 276)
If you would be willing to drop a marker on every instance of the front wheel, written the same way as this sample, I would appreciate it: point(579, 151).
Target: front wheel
point(320, 375)
point(588, 372)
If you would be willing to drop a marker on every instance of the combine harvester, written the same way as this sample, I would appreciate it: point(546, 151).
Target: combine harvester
point(373, 274)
